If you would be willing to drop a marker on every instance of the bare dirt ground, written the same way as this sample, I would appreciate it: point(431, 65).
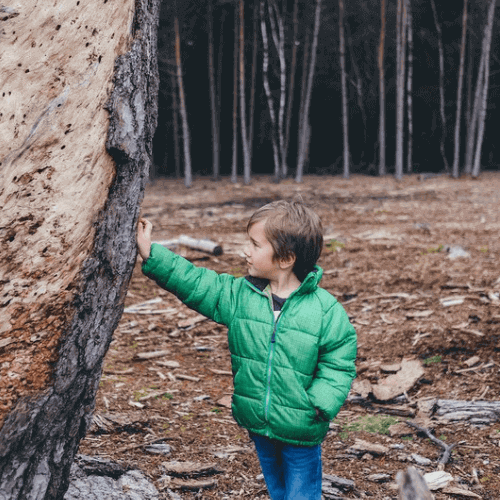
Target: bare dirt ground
point(385, 260)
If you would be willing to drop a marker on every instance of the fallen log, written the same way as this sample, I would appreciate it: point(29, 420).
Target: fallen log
point(203, 245)
point(474, 412)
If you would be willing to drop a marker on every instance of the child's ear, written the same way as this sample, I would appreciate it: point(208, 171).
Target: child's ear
point(288, 262)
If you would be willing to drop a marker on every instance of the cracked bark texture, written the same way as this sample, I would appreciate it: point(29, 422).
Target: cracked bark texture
point(78, 109)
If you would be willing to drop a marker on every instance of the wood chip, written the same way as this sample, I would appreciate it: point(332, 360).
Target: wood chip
point(193, 485)
point(190, 469)
point(402, 381)
point(221, 372)
point(186, 377)
point(186, 323)
point(419, 314)
point(451, 490)
point(472, 361)
point(6, 342)
point(151, 355)
point(169, 363)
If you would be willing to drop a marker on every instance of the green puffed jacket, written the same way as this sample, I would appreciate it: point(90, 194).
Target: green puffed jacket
point(283, 370)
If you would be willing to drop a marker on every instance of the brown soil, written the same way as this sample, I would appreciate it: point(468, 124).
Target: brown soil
point(391, 238)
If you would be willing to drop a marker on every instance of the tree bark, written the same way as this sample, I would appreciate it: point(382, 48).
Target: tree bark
point(442, 113)
point(482, 112)
point(65, 268)
point(213, 106)
point(345, 125)
point(188, 172)
point(456, 154)
point(255, 43)
point(381, 70)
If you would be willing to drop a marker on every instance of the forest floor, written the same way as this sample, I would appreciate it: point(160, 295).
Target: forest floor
point(386, 261)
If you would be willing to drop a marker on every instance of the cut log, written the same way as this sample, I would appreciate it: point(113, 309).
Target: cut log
point(474, 412)
point(80, 91)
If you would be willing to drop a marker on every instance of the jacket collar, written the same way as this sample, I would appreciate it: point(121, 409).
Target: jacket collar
point(309, 284)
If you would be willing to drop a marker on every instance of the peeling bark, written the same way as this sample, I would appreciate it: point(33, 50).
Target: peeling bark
point(71, 200)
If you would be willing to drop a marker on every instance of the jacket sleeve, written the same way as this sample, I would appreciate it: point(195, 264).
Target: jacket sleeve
point(201, 289)
point(336, 363)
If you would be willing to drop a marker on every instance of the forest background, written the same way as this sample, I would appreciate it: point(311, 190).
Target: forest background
point(326, 87)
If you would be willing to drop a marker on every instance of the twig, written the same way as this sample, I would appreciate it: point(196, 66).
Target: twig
point(447, 448)
point(147, 443)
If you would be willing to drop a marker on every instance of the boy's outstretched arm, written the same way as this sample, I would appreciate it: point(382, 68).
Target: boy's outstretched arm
point(144, 229)
point(199, 288)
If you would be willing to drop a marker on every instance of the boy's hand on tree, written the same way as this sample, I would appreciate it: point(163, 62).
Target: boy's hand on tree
point(144, 228)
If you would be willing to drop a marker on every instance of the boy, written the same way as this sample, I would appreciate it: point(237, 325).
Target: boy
point(292, 346)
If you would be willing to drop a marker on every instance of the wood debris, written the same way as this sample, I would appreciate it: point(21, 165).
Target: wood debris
point(190, 469)
point(394, 385)
point(151, 355)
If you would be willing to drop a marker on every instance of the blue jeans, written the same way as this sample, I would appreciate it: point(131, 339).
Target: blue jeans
point(291, 472)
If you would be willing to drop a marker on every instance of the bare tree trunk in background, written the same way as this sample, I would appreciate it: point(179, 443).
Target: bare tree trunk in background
point(267, 88)
point(175, 119)
point(303, 132)
point(442, 112)
point(358, 85)
point(305, 112)
point(234, 164)
point(188, 176)
point(213, 90)
point(65, 267)
point(484, 105)
point(279, 42)
point(255, 42)
point(409, 91)
point(291, 84)
point(381, 71)
point(243, 120)
point(456, 154)
point(345, 125)
point(478, 93)
point(400, 78)
point(468, 109)
point(219, 77)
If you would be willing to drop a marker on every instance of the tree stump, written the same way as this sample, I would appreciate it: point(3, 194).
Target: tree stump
point(77, 116)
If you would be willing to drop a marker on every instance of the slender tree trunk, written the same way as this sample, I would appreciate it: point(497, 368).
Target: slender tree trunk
point(267, 88)
point(484, 105)
point(213, 109)
point(278, 34)
point(307, 101)
point(471, 136)
point(468, 109)
point(381, 72)
point(400, 72)
point(175, 120)
point(345, 125)
point(65, 268)
point(303, 135)
point(441, 88)
point(456, 155)
point(358, 85)
point(234, 165)
point(243, 121)
point(218, 92)
point(188, 176)
point(255, 42)
point(291, 83)
point(409, 91)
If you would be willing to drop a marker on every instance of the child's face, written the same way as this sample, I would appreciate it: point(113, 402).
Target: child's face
point(259, 253)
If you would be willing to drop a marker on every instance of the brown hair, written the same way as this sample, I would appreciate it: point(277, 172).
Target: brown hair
point(293, 229)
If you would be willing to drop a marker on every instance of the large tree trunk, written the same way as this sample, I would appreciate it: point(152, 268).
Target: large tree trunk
point(381, 72)
point(456, 153)
point(82, 93)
